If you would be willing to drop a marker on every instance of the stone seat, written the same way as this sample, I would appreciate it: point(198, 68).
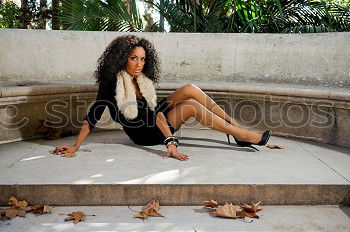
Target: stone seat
point(306, 112)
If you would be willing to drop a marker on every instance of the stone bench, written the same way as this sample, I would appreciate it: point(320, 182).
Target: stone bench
point(315, 114)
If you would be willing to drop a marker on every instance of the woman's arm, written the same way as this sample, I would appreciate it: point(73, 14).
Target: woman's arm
point(90, 120)
point(84, 131)
point(164, 128)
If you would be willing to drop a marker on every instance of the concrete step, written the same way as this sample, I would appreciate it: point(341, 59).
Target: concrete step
point(118, 172)
point(177, 194)
point(186, 218)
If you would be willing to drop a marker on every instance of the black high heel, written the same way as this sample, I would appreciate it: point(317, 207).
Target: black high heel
point(262, 142)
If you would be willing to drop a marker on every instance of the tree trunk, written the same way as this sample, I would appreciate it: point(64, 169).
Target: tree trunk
point(25, 15)
point(161, 17)
point(43, 15)
point(55, 15)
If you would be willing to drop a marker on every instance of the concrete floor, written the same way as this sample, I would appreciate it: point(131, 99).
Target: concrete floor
point(116, 160)
point(187, 218)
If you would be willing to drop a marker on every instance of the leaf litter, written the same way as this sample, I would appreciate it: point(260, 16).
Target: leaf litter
point(19, 208)
point(234, 211)
point(149, 210)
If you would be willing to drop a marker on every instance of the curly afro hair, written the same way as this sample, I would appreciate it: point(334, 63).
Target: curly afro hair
point(115, 58)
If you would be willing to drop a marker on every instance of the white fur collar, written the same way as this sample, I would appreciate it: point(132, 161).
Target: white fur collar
point(126, 96)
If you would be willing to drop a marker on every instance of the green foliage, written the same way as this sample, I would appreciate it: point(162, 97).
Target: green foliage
point(97, 15)
point(225, 16)
point(262, 16)
point(9, 12)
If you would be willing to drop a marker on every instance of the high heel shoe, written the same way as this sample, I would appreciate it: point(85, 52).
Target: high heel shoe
point(262, 142)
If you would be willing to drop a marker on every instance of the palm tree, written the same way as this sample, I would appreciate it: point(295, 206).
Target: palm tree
point(55, 14)
point(98, 15)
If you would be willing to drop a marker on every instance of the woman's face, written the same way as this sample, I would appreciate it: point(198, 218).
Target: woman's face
point(136, 61)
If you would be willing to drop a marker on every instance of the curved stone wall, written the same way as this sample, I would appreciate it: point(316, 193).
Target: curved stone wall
point(294, 85)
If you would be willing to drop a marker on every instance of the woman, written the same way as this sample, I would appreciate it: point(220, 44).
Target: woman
point(126, 74)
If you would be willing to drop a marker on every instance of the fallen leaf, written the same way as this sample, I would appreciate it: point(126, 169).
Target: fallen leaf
point(68, 154)
point(39, 209)
point(13, 202)
point(275, 146)
point(85, 150)
point(149, 210)
point(253, 208)
point(11, 213)
point(211, 204)
point(76, 216)
point(228, 210)
point(62, 214)
point(249, 214)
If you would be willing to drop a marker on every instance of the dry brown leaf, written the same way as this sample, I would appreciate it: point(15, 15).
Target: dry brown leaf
point(68, 154)
point(149, 210)
point(13, 202)
point(39, 209)
point(76, 216)
point(11, 213)
point(152, 204)
point(275, 146)
point(85, 150)
point(228, 210)
point(253, 208)
point(141, 214)
point(249, 214)
point(211, 204)
point(154, 213)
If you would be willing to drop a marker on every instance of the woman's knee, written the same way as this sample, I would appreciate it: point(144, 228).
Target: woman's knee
point(189, 90)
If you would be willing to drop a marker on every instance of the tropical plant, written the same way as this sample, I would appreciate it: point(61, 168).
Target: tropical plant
point(273, 16)
point(98, 15)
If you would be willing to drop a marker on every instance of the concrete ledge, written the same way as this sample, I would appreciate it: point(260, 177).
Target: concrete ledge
point(177, 194)
point(267, 89)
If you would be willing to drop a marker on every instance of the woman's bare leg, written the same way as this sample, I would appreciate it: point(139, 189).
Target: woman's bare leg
point(192, 108)
point(192, 91)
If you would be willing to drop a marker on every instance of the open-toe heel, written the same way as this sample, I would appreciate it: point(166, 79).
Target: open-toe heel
point(240, 143)
point(262, 142)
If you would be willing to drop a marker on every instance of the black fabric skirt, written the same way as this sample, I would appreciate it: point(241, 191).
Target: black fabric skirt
point(150, 136)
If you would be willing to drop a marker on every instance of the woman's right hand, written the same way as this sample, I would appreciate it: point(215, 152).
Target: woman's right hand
point(172, 151)
point(65, 148)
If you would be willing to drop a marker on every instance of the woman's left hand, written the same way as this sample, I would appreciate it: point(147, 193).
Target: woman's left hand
point(172, 151)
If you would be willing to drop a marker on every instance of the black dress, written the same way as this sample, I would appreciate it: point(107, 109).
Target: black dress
point(141, 130)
